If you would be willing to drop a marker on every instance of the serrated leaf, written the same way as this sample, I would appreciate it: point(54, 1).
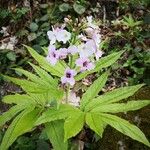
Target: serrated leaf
point(122, 107)
point(93, 90)
point(113, 96)
point(95, 123)
point(30, 75)
point(53, 114)
point(73, 124)
point(55, 132)
point(21, 124)
point(26, 85)
point(44, 75)
point(57, 70)
point(31, 87)
point(19, 99)
point(12, 112)
point(102, 63)
point(125, 127)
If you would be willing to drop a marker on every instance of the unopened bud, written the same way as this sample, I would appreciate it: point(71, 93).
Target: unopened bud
point(66, 20)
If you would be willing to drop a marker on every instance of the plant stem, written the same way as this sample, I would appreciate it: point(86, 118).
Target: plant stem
point(67, 93)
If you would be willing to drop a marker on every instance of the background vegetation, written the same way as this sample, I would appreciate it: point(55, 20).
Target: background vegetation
point(124, 26)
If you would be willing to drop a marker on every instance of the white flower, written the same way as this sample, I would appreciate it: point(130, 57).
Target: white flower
point(63, 36)
point(82, 37)
point(87, 49)
point(4, 31)
point(73, 99)
point(97, 38)
point(51, 37)
point(90, 22)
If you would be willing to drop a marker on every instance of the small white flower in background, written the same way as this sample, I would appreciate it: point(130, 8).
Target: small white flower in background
point(4, 31)
point(73, 99)
point(90, 22)
point(10, 44)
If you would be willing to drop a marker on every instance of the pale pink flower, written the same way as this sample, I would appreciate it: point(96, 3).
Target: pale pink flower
point(98, 54)
point(87, 49)
point(52, 56)
point(84, 64)
point(72, 49)
point(63, 36)
point(68, 77)
point(62, 53)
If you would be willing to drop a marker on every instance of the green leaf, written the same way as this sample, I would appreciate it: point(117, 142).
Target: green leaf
point(122, 107)
point(30, 75)
point(31, 87)
point(53, 114)
point(95, 122)
point(28, 86)
point(11, 56)
point(21, 124)
point(113, 96)
point(79, 8)
point(44, 75)
point(55, 132)
point(102, 63)
point(32, 36)
point(64, 7)
point(18, 99)
point(33, 27)
point(57, 70)
point(73, 125)
point(8, 115)
point(125, 127)
point(94, 89)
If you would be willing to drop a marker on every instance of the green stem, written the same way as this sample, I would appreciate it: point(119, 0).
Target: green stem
point(67, 93)
point(70, 61)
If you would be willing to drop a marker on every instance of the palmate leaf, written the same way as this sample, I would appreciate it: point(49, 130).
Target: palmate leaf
point(27, 99)
point(21, 124)
point(12, 112)
point(73, 124)
point(124, 127)
point(95, 122)
point(44, 75)
point(32, 87)
point(122, 107)
point(102, 63)
point(30, 76)
point(55, 132)
point(57, 70)
point(94, 89)
point(53, 114)
point(113, 96)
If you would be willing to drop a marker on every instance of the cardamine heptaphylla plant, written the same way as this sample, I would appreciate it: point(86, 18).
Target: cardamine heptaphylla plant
point(49, 98)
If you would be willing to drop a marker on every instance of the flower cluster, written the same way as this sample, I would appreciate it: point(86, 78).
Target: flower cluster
point(85, 48)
